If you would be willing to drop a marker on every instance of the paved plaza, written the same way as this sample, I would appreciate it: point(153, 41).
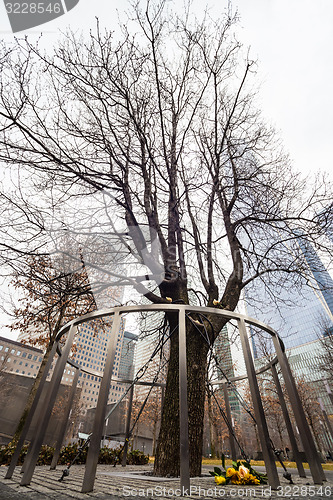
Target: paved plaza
point(135, 482)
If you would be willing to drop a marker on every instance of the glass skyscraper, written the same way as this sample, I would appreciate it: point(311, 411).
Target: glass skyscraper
point(301, 324)
point(306, 314)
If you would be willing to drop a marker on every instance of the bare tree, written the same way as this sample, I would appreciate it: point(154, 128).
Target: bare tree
point(158, 129)
point(325, 358)
point(48, 299)
point(309, 399)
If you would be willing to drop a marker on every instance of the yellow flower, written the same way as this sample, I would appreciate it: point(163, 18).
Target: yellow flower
point(236, 479)
point(253, 479)
point(220, 480)
point(169, 299)
point(231, 472)
point(216, 303)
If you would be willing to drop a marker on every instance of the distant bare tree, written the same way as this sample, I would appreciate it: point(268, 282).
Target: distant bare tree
point(48, 299)
point(309, 399)
point(325, 358)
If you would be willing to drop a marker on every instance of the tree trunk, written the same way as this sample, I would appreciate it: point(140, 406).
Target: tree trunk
point(167, 460)
point(31, 396)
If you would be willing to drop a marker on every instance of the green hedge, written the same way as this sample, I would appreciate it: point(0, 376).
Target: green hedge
point(107, 456)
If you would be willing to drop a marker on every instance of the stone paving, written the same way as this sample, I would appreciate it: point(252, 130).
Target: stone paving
point(134, 482)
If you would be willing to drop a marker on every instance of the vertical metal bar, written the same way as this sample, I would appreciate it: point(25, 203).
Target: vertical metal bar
point(95, 440)
point(267, 451)
point(302, 424)
point(46, 412)
point(64, 422)
point(128, 423)
point(31, 414)
point(183, 405)
point(292, 439)
point(228, 412)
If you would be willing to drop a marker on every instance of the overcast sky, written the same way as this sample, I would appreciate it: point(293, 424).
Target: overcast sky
point(292, 41)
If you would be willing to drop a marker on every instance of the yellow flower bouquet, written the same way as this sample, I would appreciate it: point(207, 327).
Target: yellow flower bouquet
point(241, 472)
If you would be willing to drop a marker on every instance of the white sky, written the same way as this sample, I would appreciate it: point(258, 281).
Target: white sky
point(293, 42)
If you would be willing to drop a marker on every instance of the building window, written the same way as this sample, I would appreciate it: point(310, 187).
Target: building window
point(6, 349)
point(35, 358)
point(24, 354)
point(12, 351)
point(29, 356)
point(8, 360)
point(18, 353)
point(1, 347)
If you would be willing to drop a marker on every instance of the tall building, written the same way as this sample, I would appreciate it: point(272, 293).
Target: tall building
point(322, 281)
point(126, 366)
point(153, 332)
point(303, 316)
point(19, 358)
point(300, 324)
point(226, 364)
point(91, 353)
point(91, 341)
point(19, 365)
point(305, 361)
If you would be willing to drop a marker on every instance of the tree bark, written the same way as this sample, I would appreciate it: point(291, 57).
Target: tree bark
point(167, 461)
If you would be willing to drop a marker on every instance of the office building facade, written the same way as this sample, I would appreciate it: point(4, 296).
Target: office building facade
point(301, 324)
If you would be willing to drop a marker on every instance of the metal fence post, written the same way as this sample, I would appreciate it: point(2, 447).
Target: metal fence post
point(95, 440)
point(45, 413)
point(302, 424)
point(292, 439)
point(228, 412)
point(128, 424)
point(183, 406)
point(64, 422)
point(31, 414)
point(267, 451)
